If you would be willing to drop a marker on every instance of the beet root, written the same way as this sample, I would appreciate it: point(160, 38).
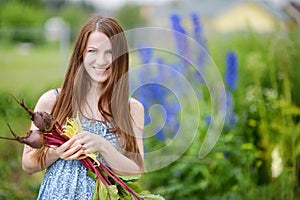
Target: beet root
point(42, 120)
point(33, 138)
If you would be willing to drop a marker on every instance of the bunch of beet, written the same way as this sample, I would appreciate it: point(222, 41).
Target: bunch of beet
point(46, 125)
point(50, 133)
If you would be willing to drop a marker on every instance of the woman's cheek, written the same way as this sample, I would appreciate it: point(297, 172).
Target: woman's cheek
point(89, 59)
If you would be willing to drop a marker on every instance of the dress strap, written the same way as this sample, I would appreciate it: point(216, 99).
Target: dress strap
point(56, 91)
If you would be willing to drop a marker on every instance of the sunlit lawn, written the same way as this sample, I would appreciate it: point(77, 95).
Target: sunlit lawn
point(35, 69)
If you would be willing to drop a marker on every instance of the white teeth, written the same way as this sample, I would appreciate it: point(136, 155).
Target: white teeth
point(99, 69)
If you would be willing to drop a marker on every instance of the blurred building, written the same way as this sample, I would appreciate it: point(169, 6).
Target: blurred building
point(219, 16)
point(226, 16)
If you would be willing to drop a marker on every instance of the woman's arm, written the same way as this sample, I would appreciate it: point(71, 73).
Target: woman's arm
point(70, 150)
point(29, 163)
point(121, 164)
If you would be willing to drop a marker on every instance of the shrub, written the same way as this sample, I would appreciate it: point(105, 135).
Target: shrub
point(24, 23)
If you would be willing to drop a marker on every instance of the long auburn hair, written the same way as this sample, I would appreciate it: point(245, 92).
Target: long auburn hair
point(115, 93)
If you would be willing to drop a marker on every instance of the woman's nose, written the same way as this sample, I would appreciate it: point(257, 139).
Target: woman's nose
point(100, 59)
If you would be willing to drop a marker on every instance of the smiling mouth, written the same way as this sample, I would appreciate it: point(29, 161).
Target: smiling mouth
point(101, 69)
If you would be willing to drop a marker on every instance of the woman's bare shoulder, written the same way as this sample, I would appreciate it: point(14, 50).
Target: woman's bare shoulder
point(135, 105)
point(137, 112)
point(46, 101)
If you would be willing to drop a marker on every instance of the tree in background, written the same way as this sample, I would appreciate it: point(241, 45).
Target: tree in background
point(23, 21)
point(129, 16)
point(75, 15)
point(17, 17)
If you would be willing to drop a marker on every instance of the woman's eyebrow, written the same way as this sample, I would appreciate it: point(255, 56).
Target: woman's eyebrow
point(91, 46)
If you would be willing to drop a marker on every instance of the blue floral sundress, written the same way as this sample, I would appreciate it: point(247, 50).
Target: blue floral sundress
point(68, 179)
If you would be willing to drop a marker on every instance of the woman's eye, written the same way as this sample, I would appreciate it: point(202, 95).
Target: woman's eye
point(109, 52)
point(91, 50)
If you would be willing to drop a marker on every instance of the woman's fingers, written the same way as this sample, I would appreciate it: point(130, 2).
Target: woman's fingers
point(67, 145)
point(89, 141)
point(72, 153)
point(70, 150)
point(75, 155)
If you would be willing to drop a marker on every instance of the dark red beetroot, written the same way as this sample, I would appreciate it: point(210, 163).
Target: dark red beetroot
point(49, 131)
point(42, 120)
point(33, 138)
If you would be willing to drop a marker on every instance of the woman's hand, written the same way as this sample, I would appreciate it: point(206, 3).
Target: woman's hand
point(70, 150)
point(90, 142)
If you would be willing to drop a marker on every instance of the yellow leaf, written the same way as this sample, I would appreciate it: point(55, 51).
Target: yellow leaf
point(72, 127)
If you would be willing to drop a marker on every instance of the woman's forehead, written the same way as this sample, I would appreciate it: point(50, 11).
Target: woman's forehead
point(98, 40)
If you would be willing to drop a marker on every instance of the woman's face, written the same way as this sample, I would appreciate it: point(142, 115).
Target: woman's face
point(97, 58)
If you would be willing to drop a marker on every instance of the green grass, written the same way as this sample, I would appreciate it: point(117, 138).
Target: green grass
point(36, 70)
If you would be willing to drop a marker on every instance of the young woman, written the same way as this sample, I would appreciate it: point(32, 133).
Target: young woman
point(96, 89)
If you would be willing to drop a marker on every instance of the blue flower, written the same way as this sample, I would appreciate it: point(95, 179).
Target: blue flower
point(175, 21)
point(145, 95)
point(198, 33)
point(208, 120)
point(145, 54)
point(230, 119)
point(154, 92)
point(145, 149)
point(160, 135)
point(177, 174)
point(201, 52)
point(231, 73)
point(172, 124)
point(180, 37)
point(227, 154)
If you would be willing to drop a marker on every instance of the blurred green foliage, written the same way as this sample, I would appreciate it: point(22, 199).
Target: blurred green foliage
point(267, 106)
point(130, 16)
point(18, 17)
point(36, 3)
point(17, 14)
point(75, 15)
point(23, 21)
point(15, 184)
